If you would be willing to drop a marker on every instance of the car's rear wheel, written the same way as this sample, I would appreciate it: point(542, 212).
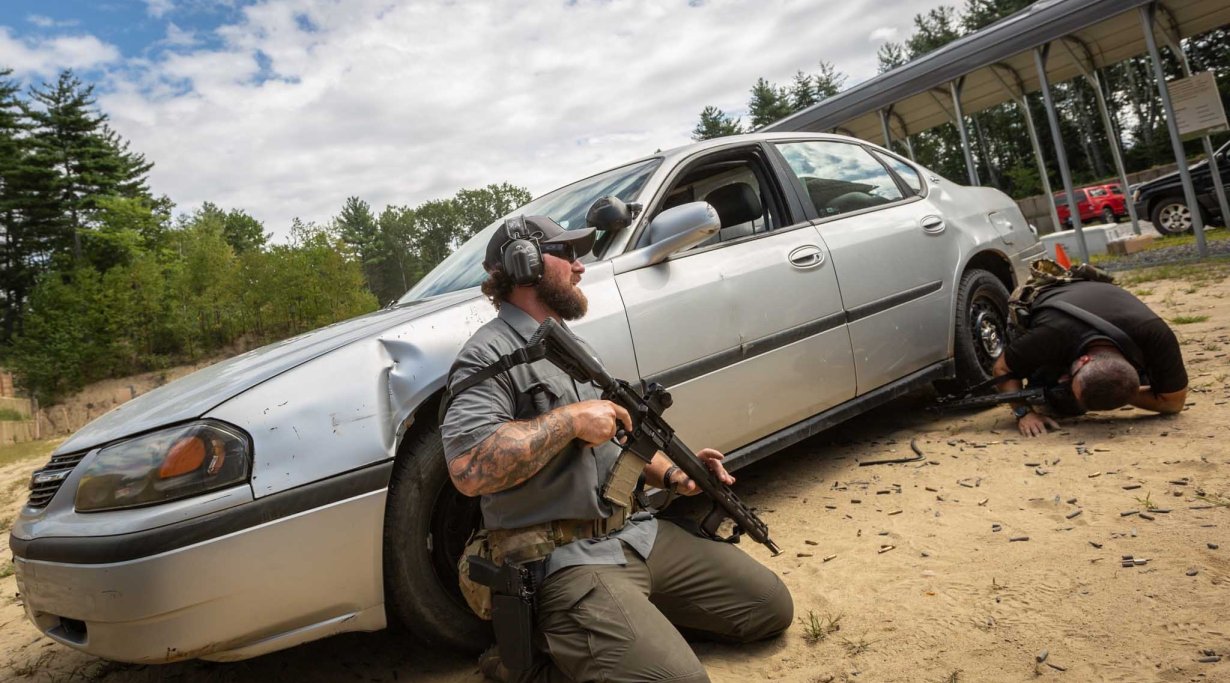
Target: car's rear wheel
point(426, 525)
point(1171, 216)
point(1108, 216)
point(982, 326)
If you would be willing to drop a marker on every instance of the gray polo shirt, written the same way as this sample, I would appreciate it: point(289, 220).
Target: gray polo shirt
point(569, 485)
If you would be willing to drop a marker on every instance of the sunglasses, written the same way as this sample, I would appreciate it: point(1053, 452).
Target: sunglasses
point(560, 250)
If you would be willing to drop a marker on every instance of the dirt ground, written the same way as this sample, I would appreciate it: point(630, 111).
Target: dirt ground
point(993, 553)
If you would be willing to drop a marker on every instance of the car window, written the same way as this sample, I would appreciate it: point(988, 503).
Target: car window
point(737, 189)
point(1114, 189)
point(1080, 196)
point(1097, 192)
point(840, 177)
point(907, 172)
point(567, 206)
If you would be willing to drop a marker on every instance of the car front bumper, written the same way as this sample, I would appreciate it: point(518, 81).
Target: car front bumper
point(264, 587)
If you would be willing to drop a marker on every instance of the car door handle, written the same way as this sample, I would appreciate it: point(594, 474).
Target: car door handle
point(808, 256)
point(932, 225)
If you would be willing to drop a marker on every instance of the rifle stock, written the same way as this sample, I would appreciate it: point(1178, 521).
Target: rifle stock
point(650, 432)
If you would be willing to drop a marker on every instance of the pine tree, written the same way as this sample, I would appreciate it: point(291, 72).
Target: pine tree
point(767, 104)
point(802, 92)
point(828, 82)
point(90, 159)
point(714, 123)
point(890, 56)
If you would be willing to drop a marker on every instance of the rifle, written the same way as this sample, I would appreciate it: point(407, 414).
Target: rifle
point(1057, 397)
point(650, 432)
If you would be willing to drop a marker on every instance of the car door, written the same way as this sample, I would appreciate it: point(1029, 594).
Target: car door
point(747, 329)
point(892, 252)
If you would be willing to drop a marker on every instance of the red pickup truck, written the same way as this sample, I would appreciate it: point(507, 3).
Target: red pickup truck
point(1095, 201)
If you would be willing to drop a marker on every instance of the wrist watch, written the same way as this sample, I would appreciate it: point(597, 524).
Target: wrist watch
point(668, 475)
point(1021, 411)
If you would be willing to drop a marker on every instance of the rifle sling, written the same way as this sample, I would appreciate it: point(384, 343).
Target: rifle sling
point(1128, 347)
point(523, 355)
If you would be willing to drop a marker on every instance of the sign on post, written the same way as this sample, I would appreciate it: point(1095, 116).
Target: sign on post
point(1197, 105)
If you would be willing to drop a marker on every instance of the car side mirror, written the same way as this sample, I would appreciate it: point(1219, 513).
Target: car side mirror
point(672, 231)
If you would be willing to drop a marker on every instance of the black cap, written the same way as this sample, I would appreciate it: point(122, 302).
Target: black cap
point(542, 229)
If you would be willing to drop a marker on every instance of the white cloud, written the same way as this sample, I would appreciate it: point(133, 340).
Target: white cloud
point(40, 58)
point(302, 103)
point(159, 8)
point(178, 37)
point(884, 33)
point(47, 22)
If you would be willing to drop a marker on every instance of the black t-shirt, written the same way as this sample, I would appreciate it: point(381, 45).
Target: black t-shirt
point(1055, 338)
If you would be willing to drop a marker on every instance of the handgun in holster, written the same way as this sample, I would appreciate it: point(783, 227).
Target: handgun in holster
point(513, 590)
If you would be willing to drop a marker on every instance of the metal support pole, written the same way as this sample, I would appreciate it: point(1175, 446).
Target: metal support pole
point(909, 147)
point(905, 135)
point(1018, 95)
point(1061, 156)
point(888, 136)
point(1112, 135)
point(955, 87)
point(1090, 71)
point(1189, 191)
point(1175, 43)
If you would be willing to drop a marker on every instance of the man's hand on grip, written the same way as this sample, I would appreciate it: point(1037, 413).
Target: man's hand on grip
point(596, 421)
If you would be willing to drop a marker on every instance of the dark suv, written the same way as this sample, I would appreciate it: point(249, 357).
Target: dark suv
point(1161, 200)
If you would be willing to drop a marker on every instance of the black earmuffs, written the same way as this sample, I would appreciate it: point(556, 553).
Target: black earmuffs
point(521, 256)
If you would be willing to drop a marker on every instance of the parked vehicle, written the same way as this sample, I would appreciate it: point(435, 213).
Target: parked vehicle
point(299, 490)
point(1095, 202)
point(1163, 202)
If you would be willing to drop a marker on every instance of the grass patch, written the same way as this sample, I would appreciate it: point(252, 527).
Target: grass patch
point(7, 570)
point(1143, 292)
point(817, 628)
point(855, 648)
point(27, 450)
point(1188, 319)
point(10, 415)
point(1208, 271)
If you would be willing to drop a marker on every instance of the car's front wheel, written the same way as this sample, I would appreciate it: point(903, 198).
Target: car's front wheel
point(1171, 216)
point(1108, 216)
point(426, 525)
point(981, 326)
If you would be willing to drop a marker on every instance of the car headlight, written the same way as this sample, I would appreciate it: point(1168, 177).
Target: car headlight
point(165, 465)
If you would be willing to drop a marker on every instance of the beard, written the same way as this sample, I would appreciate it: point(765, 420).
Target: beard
point(561, 296)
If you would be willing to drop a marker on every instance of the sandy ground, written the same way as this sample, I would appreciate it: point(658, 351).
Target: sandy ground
point(967, 566)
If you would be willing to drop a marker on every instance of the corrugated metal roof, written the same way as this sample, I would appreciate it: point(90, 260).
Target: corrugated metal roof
point(918, 91)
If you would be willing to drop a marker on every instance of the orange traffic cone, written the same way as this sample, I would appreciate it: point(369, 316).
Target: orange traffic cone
point(1061, 257)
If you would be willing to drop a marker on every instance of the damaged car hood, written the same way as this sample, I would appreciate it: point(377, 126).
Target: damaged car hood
point(194, 395)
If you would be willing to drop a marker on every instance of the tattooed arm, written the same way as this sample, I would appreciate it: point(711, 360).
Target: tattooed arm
point(518, 450)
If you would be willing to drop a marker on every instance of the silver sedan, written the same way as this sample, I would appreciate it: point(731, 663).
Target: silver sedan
point(776, 283)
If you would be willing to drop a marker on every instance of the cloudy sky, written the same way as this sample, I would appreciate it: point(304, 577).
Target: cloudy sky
point(286, 107)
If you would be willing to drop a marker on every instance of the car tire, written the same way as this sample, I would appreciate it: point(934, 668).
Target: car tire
point(1170, 215)
point(427, 523)
point(1108, 216)
point(981, 326)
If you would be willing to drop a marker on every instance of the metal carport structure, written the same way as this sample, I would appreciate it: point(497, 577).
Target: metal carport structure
point(1022, 53)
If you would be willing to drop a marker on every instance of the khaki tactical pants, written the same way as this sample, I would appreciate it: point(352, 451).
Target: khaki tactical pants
point(618, 622)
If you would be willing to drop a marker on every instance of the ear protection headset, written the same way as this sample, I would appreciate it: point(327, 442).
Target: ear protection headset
point(521, 257)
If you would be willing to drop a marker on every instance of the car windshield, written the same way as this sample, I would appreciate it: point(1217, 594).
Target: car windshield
point(567, 206)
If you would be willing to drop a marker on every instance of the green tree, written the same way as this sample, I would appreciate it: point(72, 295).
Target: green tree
point(714, 123)
point(768, 103)
point(828, 81)
point(890, 56)
point(90, 160)
point(802, 91)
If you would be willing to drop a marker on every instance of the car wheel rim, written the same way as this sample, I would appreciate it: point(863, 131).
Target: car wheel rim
point(1108, 216)
point(454, 518)
point(988, 330)
point(1175, 218)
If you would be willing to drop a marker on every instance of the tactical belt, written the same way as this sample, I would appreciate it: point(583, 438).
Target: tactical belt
point(537, 541)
